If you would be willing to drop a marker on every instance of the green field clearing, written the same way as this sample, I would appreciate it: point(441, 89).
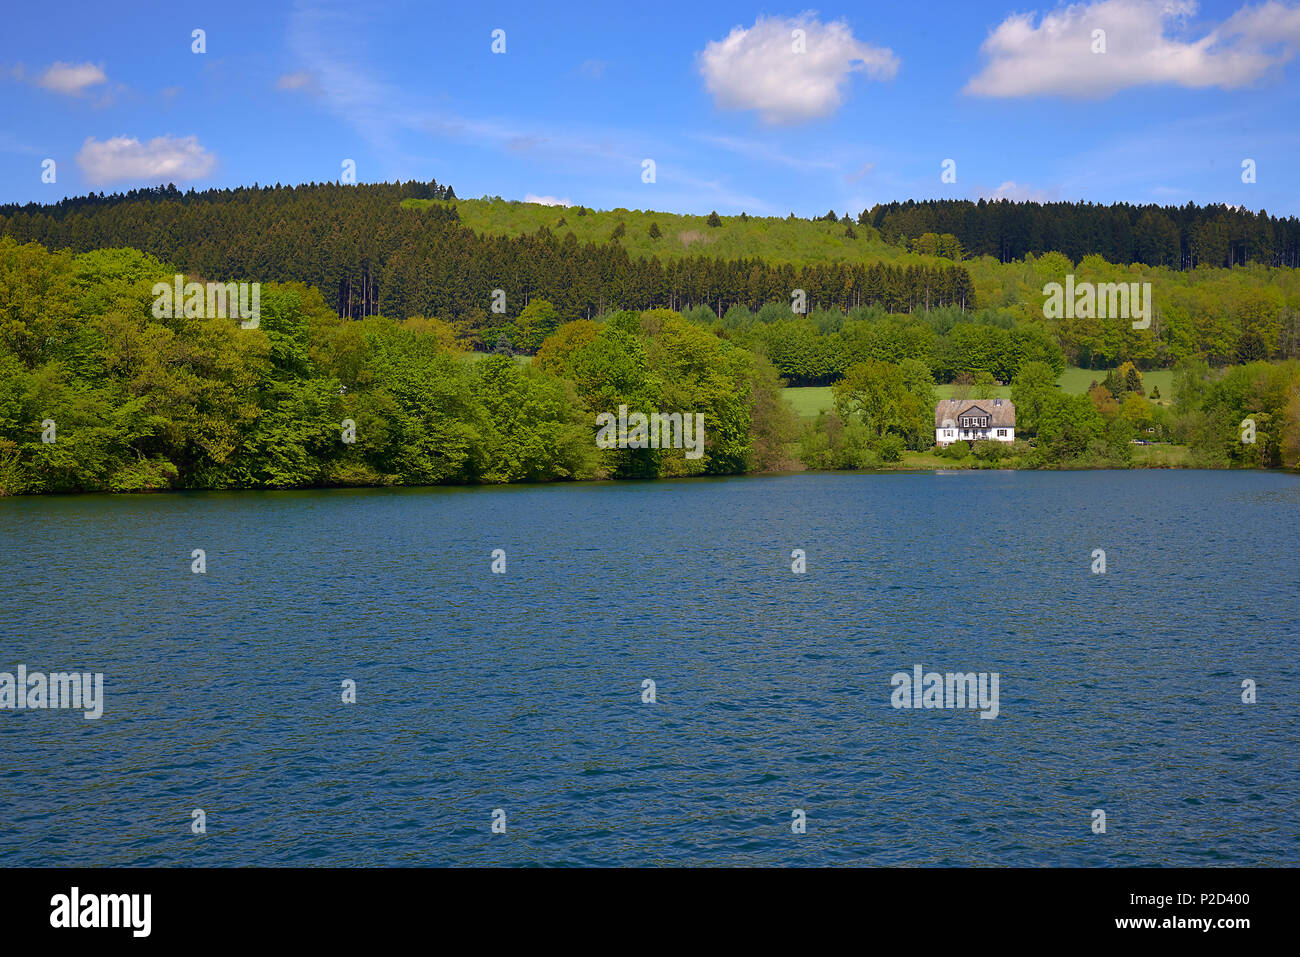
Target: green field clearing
point(774, 239)
point(928, 460)
point(1077, 380)
point(1161, 456)
point(807, 401)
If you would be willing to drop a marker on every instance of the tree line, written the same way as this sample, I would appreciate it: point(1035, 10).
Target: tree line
point(371, 256)
point(1181, 237)
point(819, 348)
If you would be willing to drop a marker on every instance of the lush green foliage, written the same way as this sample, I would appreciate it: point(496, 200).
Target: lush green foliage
point(1248, 416)
point(139, 402)
point(819, 348)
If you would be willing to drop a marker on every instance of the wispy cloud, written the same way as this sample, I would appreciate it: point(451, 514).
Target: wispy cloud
point(765, 152)
point(861, 172)
point(302, 80)
point(326, 42)
point(11, 144)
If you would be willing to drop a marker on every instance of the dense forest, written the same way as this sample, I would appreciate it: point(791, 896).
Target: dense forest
point(1177, 236)
point(370, 256)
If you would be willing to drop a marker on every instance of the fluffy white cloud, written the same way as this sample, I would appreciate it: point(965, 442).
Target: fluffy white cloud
point(760, 69)
point(71, 78)
point(546, 200)
point(165, 159)
point(1145, 43)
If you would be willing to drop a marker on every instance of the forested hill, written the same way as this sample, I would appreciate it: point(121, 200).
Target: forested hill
point(370, 253)
point(415, 249)
point(1178, 236)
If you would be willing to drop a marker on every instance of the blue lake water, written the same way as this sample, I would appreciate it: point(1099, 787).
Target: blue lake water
point(478, 691)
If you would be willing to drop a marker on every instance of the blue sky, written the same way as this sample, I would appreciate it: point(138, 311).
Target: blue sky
point(715, 93)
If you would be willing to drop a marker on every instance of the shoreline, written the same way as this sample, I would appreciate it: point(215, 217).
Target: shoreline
point(896, 469)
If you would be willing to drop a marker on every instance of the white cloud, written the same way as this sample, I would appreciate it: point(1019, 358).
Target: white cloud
point(166, 159)
point(302, 80)
point(546, 200)
point(1146, 42)
point(758, 68)
point(71, 78)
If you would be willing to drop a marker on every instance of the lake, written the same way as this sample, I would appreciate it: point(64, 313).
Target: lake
point(523, 692)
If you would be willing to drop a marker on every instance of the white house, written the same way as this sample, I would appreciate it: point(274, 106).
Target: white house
point(969, 420)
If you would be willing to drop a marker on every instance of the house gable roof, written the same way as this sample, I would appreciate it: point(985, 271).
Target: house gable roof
point(1002, 412)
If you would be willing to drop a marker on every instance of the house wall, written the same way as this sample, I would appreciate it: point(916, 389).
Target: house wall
point(949, 436)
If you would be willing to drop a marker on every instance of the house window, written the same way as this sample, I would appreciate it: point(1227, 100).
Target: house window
point(1002, 433)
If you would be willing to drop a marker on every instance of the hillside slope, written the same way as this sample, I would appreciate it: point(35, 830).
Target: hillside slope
point(773, 239)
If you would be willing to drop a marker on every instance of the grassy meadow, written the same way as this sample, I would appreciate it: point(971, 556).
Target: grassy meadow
point(770, 238)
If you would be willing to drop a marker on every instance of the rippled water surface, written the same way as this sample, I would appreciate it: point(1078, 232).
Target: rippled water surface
point(523, 691)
